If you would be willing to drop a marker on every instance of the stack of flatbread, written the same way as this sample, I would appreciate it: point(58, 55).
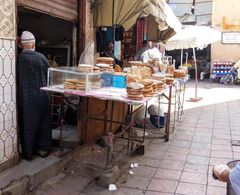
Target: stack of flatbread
point(169, 79)
point(170, 70)
point(159, 77)
point(85, 68)
point(104, 60)
point(80, 84)
point(160, 85)
point(96, 69)
point(154, 86)
point(135, 91)
point(179, 73)
point(74, 84)
point(103, 67)
point(148, 87)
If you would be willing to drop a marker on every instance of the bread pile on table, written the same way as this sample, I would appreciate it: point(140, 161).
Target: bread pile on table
point(85, 68)
point(169, 79)
point(159, 77)
point(154, 86)
point(135, 91)
point(148, 87)
point(179, 73)
point(107, 61)
point(145, 72)
point(96, 69)
point(160, 85)
point(170, 69)
point(103, 67)
point(74, 84)
point(78, 84)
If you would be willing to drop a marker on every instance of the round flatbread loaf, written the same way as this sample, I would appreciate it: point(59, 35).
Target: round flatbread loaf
point(104, 59)
point(85, 66)
point(169, 79)
point(158, 76)
point(148, 94)
point(102, 65)
point(134, 90)
point(159, 82)
point(135, 85)
point(146, 90)
point(169, 75)
point(135, 97)
point(134, 93)
point(146, 82)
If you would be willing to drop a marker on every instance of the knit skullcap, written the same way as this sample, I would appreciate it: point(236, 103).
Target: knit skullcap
point(27, 37)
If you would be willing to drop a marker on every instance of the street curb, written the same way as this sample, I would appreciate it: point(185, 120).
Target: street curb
point(28, 183)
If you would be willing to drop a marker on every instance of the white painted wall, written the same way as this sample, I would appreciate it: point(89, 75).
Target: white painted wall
point(230, 10)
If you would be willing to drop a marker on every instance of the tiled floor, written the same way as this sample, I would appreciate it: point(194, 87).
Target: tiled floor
point(183, 166)
point(203, 139)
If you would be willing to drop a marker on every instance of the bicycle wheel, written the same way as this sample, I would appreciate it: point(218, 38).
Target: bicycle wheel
point(228, 79)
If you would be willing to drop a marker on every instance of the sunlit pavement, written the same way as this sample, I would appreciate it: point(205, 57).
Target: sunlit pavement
point(184, 164)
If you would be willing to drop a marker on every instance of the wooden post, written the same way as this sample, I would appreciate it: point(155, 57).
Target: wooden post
point(81, 26)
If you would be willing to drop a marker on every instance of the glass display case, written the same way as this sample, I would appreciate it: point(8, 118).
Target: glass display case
point(70, 78)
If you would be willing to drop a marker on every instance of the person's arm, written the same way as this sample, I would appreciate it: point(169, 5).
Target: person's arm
point(234, 177)
point(116, 61)
point(237, 64)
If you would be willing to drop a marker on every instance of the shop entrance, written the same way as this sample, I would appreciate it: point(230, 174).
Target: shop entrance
point(56, 38)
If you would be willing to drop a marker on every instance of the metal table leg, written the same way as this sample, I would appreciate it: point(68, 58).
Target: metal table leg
point(110, 138)
point(169, 114)
point(62, 122)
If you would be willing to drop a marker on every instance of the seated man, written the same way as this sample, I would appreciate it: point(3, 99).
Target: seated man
point(225, 174)
point(234, 70)
point(108, 52)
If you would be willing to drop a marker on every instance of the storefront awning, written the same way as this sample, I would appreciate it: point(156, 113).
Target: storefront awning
point(126, 12)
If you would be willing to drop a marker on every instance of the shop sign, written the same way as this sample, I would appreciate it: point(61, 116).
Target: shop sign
point(231, 37)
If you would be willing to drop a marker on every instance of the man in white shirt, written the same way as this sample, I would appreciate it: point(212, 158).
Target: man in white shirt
point(155, 52)
point(143, 54)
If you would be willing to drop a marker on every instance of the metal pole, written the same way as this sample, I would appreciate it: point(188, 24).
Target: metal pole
point(196, 72)
point(113, 2)
point(181, 56)
point(113, 25)
point(186, 57)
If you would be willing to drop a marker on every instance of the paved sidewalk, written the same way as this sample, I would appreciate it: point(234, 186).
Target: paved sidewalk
point(181, 166)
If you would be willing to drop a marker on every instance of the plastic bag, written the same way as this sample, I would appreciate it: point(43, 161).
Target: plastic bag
point(87, 56)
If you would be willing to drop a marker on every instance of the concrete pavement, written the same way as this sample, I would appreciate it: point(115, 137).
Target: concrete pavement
point(181, 166)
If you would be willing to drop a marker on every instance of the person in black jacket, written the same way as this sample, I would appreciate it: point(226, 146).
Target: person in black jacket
point(109, 52)
point(33, 104)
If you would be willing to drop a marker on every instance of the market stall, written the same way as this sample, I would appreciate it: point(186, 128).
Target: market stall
point(108, 100)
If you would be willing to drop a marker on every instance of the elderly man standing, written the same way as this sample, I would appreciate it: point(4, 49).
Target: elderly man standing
point(33, 104)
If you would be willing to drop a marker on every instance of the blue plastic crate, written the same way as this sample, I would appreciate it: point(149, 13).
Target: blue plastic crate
point(119, 81)
point(107, 79)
